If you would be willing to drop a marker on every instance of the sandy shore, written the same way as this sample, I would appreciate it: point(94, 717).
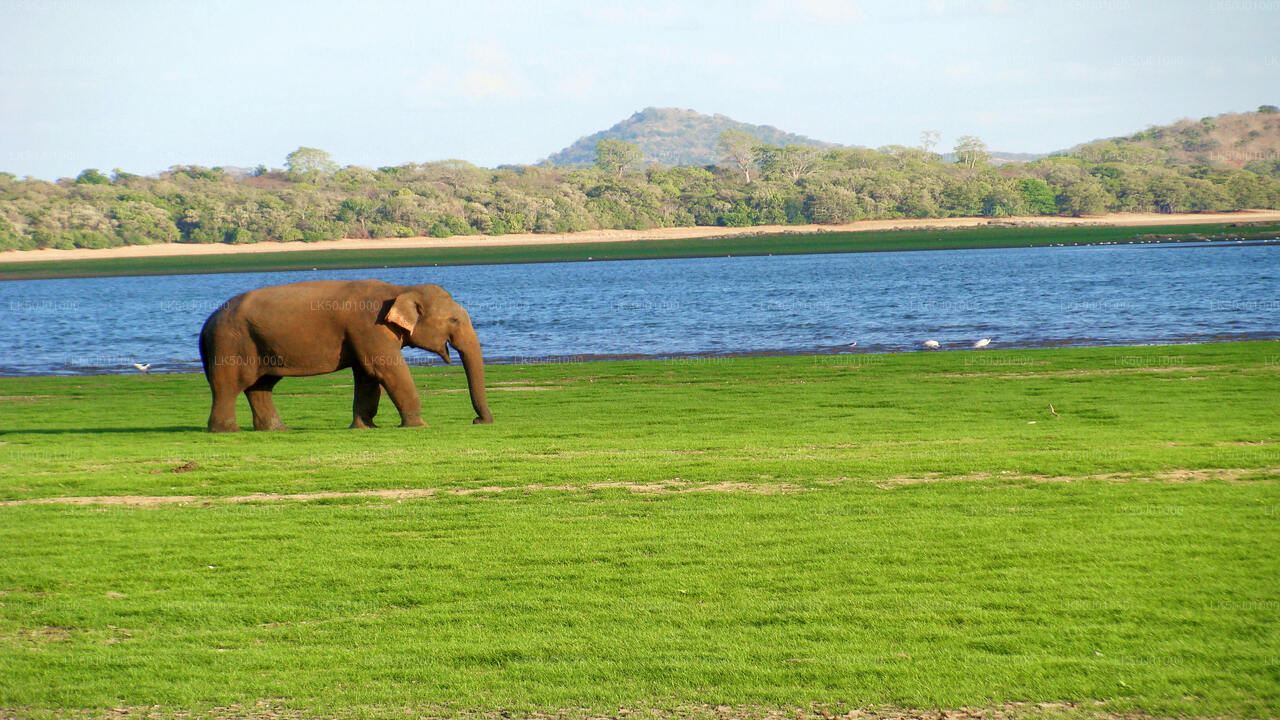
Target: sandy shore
point(594, 236)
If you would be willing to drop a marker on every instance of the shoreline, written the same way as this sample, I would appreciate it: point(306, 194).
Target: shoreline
point(623, 236)
point(821, 354)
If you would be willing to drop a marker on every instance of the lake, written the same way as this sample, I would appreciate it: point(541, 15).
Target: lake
point(890, 301)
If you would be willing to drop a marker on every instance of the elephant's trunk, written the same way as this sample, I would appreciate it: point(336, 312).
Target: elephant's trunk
point(468, 347)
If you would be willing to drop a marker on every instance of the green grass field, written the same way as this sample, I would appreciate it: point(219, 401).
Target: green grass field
point(786, 537)
point(793, 244)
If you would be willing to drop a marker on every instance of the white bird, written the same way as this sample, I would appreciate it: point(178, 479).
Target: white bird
point(144, 367)
point(931, 343)
point(853, 344)
point(982, 343)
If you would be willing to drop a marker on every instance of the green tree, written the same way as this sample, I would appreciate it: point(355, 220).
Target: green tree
point(828, 204)
point(92, 177)
point(1247, 190)
point(10, 237)
point(307, 163)
point(971, 152)
point(615, 156)
point(1037, 197)
point(963, 196)
point(1169, 193)
point(1085, 197)
point(1002, 200)
point(1265, 167)
point(140, 223)
point(360, 210)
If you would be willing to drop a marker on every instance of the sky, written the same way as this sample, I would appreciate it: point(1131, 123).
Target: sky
point(142, 86)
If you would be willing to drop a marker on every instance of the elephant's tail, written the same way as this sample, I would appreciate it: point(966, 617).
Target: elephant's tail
point(204, 349)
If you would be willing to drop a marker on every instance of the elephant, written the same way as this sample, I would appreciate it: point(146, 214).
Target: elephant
point(318, 327)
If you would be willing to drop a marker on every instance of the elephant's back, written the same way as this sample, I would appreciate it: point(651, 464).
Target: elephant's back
point(303, 313)
point(279, 308)
point(310, 295)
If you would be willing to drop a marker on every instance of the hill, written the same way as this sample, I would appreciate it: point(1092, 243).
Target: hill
point(675, 137)
point(1230, 140)
point(1218, 164)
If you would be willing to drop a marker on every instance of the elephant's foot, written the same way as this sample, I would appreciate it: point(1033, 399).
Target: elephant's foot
point(360, 423)
point(486, 420)
point(221, 426)
point(270, 425)
point(413, 422)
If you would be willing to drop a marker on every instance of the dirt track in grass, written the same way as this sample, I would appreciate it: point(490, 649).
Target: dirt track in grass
point(669, 487)
point(662, 488)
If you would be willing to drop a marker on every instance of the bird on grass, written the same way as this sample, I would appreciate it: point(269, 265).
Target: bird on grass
point(144, 367)
point(982, 343)
point(932, 344)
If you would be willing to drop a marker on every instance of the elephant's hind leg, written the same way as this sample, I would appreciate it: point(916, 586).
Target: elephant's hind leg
point(368, 393)
point(222, 417)
point(265, 416)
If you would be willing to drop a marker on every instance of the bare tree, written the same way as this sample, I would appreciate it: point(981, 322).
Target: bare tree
point(741, 149)
point(929, 139)
point(792, 161)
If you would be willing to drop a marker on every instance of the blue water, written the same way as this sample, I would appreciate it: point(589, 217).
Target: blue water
point(802, 303)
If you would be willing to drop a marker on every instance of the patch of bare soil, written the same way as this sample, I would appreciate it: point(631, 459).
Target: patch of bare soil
point(497, 388)
point(1172, 476)
point(43, 635)
point(669, 487)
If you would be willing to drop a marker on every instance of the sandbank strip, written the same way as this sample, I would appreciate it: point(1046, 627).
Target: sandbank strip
point(601, 236)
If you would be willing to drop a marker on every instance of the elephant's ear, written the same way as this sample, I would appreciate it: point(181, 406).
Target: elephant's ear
point(404, 312)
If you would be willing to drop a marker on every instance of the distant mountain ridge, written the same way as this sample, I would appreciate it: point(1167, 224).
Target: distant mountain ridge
point(676, 137)
point(1001, 158)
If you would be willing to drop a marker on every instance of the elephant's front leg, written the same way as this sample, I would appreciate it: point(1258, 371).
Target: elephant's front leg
point(368, 393)
point(265, 415)
point(395, 377)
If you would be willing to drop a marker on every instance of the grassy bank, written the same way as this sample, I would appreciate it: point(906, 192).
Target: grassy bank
point(754, 535)
point(871, 241)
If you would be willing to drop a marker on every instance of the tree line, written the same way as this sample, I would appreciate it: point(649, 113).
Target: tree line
point(312, 199)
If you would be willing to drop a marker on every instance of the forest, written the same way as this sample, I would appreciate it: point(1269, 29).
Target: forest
point(312, 199)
